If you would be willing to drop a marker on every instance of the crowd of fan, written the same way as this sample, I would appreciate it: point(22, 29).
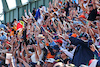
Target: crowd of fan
point(61, 35)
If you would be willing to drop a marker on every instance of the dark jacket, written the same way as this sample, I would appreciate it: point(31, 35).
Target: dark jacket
point(98, 58)
point(57, 54)
point(92, 15)
point(82, 54)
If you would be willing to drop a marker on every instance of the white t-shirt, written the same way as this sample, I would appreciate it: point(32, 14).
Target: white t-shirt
point(40, 19)
point(64, 44)
point(33, 56)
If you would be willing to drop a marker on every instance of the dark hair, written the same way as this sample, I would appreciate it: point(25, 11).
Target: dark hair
point(32, 50)
point(45, 17)
point(12, 29)
point(14, 20)
point(60, 44)
point(90, 5)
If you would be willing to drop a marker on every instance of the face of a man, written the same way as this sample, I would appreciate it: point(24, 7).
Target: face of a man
point(91, 8)
point(54, 50)
point(63, 55)
point(49, 65)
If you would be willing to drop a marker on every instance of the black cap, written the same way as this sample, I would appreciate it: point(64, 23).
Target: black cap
point(90, 5)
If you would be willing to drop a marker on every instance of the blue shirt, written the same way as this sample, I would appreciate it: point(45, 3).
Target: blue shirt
point(3, 37)
point(52, 44)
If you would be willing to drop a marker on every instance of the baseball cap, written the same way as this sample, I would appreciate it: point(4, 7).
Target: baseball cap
point(59, 41)
point(90, 5)
point(74, 35)
point(82, 16)
point(50, 60)
point(56, 47)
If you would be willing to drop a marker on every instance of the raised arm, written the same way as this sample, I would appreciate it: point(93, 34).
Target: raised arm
point(26, 64)
point(98, 25)
point(23, 54)
point(92, 34)
point(76, 31)
point(30, 14)
point(82, 6)
point(26, 14)
point(38, 46)
point(27, 50)
point(76, 41)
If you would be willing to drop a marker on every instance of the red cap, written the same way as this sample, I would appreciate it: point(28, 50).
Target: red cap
point(59, 41)
point(44, 25)
point(82, 16)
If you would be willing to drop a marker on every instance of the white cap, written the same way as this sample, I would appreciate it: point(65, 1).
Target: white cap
point(51, 60)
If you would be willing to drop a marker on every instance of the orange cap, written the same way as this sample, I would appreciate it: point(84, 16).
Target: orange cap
point(47, 44)
point(74, 35)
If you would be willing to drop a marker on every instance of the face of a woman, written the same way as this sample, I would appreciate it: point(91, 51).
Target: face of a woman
point(63, 55)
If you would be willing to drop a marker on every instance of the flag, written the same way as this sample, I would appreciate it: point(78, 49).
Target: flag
point(19, 25)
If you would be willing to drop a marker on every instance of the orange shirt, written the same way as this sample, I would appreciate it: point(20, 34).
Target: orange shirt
point(12, 33)
point(50, 56)
point(15, 27)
